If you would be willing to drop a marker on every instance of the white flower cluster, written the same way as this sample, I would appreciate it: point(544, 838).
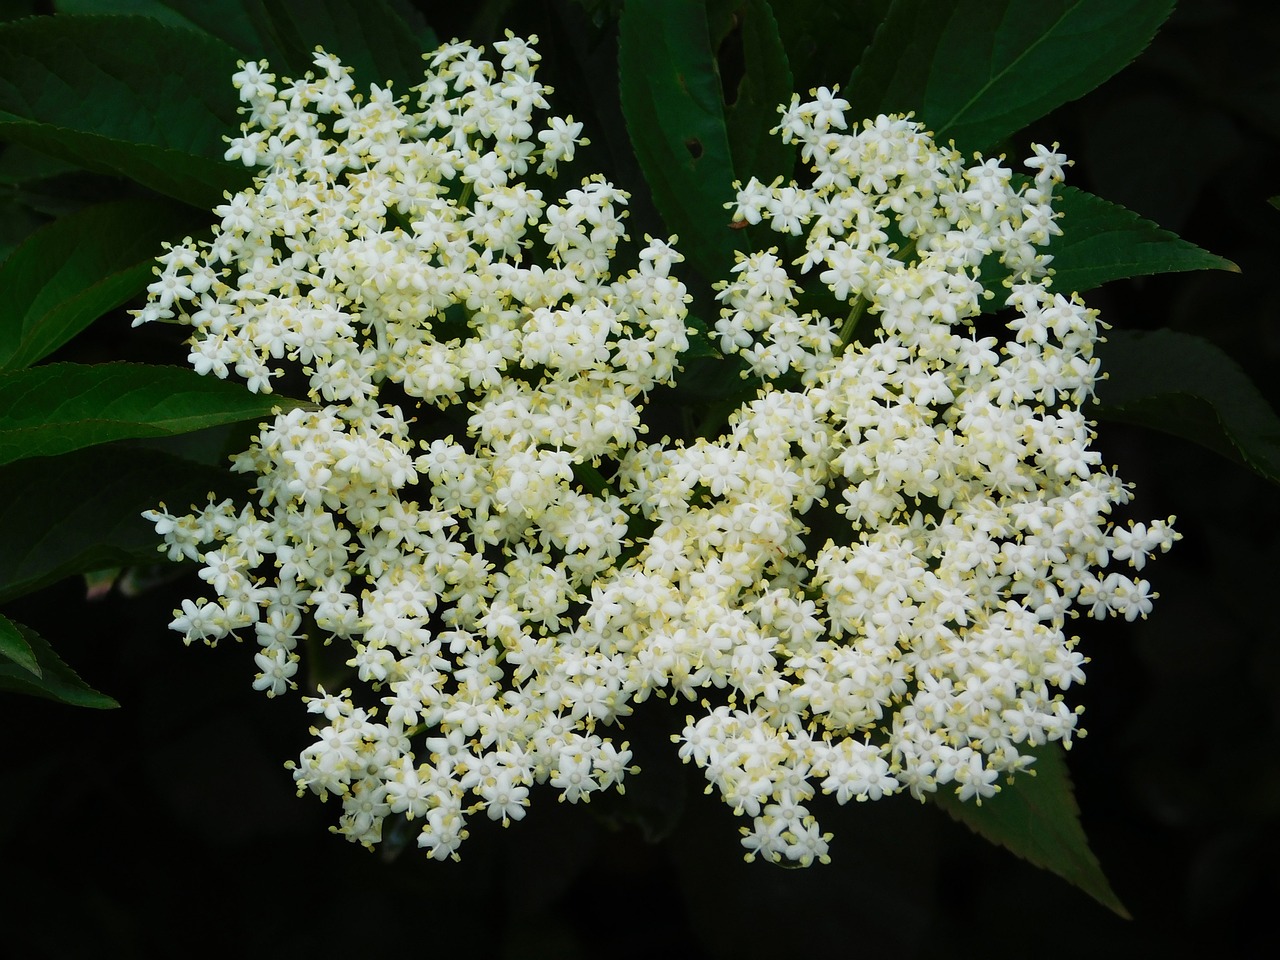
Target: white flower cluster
point(912, 636)
point(395, 250)
point(874, 564)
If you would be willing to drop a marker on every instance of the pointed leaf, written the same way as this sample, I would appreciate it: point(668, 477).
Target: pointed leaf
point(65, 406)
point(56, 681)
point(977, 71)
point(123, 95)
point(15, 647)
point(66, 275)
point(82, 511)
point(1186, 386)
point(1036, 818)
point(671, 99)
point(1103, 241)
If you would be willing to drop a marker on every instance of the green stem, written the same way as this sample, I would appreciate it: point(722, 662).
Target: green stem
point(861, 303)
point(851, 321)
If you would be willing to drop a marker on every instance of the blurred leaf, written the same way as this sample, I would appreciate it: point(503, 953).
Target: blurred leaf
point(82, 511)
point(371, 37)
point(52, 409)
point(1036, 818)
point(601, 12)
point(978, 70)
point(123, 95)
point(56, 681)
point(65, 276)
point(486, 20)
point(1186, 386)
point(1274, 201)
point(1103, 241)
point(15, 9)
point(671, 99)
point(98, 583)
point(752, 108)
point(15, 647)
point(825, 40)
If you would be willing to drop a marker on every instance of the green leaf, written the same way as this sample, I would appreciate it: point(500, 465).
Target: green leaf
point(66, 275)
point(1186, 386)
point(15, 647)
point(65, 406)
point(824, 40)
point(83, 511)
point(55, 681)
point(17, 222)
point(123, 95)
point(20, 166)
point(1103, 241)
point(229, 22)
point(751, 110)
point(1036, 818)
point(370, 37)
point(62, 194)
point(977, 71)
point(671, 99)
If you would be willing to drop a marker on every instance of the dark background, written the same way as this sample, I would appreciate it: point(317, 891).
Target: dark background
point(170, 824)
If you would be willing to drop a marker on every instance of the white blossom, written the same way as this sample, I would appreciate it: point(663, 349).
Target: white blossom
point(865, 578)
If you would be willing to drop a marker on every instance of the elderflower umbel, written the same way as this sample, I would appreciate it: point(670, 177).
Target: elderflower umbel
point(879, 559)
point(865, 580)
point(471, 351)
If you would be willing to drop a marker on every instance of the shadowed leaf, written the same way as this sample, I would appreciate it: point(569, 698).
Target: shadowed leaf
point(1102, 241)
point(1036, 817)
point(674, 109)
point(123, 95)
point(56, 680)
point(65, 406)
point(66, 275)
point(978, 70)
point(1186, 386)
point(83, 511)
